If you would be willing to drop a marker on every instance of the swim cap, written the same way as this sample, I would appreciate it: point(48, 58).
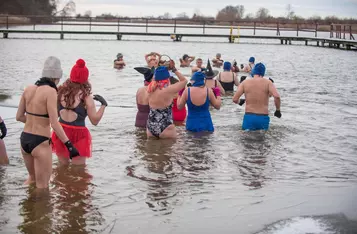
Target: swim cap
point(251, 59)
point(119, 55)
point(259, 69)
point(185, 56)
point(199, 79)
point(52, 68)
point(227, 66)
point(161, 73)
point(218, 55)
point(79, 72)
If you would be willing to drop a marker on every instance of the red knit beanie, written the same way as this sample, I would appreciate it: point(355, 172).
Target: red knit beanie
point(79, 72)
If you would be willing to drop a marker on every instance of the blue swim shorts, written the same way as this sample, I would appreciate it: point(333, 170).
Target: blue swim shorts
point(253, 122)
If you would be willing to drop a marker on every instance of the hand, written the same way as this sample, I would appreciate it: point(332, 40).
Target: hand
point(181, 92)
point(3, 130)
point(234, 63)
point(277, 114)
point(172, 66)
point(100, 99)
point(73, 152)
point(216, 91)
point(241, 102)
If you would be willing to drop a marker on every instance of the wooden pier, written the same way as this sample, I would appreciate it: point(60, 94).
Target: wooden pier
point(338, 41)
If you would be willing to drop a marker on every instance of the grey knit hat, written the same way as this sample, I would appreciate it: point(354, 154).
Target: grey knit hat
point(52, 68)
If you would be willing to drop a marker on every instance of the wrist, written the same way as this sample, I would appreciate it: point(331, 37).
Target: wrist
point(174, 70)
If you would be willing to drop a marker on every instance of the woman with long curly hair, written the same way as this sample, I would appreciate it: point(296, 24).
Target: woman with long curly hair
point(75, 103)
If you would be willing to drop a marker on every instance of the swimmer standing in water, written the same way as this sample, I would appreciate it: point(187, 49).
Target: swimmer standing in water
point(257, 92)
point(249, 67)
point(38, 110)
point(186, 60)
point(217, 61)
point(152, 59)
point(3, 155)
point(119, 62)
point(198, 67)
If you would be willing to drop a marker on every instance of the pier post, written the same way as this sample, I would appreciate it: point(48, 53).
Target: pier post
point(254, 27)
point(61, 36)
point(297, 29)
point(147, 21)
point(34, 27)
point(344, 31)
point(351, 35)
point(277, 29)
point(315, 29)
point(331, 31)
point(281, 41)
point(175, 27)
point(286, 41)
point(90, 24)
point(348, 47)
point(289, 42)
point(62, 24)
point(118, 25)
point(119, 36)
point(5, 35)
point(306, 42)
point(204, 27)
point(7, 22)
point(318, 43)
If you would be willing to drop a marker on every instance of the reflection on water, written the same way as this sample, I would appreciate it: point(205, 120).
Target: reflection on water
point(3, 219)
point(66, 208)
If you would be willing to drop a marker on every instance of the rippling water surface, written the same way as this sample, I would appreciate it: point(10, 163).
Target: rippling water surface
point(299, 177)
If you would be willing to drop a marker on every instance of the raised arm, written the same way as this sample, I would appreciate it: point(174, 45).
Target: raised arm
point(94, 115)
point(192, 58)
point(175, 88)
point(239, 93)
point(20, 115)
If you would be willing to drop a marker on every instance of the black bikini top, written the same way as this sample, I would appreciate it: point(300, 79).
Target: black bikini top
point(41, 82)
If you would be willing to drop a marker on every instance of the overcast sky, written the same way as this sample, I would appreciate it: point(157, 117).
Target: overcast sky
point(142, 8)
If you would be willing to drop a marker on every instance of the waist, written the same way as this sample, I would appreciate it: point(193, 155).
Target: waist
point(256, 114)
point(38, 129)
point(72, 126)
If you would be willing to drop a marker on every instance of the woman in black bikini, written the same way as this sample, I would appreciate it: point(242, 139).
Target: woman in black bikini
point(38, 110)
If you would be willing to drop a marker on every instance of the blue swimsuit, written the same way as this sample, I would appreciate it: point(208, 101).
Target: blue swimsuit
point(199, 117)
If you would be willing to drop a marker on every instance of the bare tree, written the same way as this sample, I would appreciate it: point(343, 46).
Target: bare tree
point(231, 13)
point(68, 9)
point(262, 13)
point(289, 12)
point(182, 15)
point(167, 15)
point(88, 13)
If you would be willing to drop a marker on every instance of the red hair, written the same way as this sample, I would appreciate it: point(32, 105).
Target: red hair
point(68, 91)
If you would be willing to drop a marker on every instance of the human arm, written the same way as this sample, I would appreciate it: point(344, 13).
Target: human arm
point(20, 115)
point(94, 115)
point(175, 88)
point(239, 93)
point(274, 92)
point(236, 81)
point(223, 92)
point(215, 99)
point(192, 58)
point(3, 129)
point(182, 99)
point(119, 63)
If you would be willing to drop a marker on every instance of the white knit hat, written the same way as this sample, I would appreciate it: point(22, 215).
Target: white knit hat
point(52, 68)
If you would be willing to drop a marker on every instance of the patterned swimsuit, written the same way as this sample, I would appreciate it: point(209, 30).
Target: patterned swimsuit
point(159, 120)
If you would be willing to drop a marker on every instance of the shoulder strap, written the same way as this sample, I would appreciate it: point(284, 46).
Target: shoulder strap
point(215, 83)
point(233, 76)
point(219, 76)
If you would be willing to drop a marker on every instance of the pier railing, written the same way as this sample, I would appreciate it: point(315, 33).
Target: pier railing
point(173, 25)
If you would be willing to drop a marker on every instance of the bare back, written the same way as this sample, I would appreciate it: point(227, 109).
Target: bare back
point(70, 115)
point(35, 98)
point(160, 99)
point(198, 95)
point(257, 95)
point(228, 77)
point(142, 96)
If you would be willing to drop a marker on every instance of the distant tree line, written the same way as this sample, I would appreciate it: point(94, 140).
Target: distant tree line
point(227, 14)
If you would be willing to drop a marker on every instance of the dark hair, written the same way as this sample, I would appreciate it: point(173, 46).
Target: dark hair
point(70, 89)
point(47, 81)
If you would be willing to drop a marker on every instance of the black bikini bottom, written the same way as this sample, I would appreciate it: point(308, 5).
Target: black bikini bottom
point(30, 141)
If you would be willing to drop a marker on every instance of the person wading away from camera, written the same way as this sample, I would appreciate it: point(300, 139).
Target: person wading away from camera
point(152, 59)
point(198, 99)
point(3, 155)
point(227, 78)
point(161, 94)
point(178, 116)
point(38, 110)
point(142, 97)
point(119, 62)
point(217, 61)
point(75, 102)
point(211, 81)
point(257, 92)
point(186, 60)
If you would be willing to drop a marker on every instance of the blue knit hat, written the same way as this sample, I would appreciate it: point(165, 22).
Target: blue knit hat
point(251, 59)
point(259, 69)
point(199, 79)
point(161, 73)
point(227, 66)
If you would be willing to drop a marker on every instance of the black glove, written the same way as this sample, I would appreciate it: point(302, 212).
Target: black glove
point(189, 84)
point(73, 152)
point(241, 102)
point(241, 66)
point(3, 130)
point(234, 63)
point(277, 114)
point(243, 78)
point(100, 99)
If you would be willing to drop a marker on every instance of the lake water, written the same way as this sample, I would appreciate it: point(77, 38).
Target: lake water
point(299, 177)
